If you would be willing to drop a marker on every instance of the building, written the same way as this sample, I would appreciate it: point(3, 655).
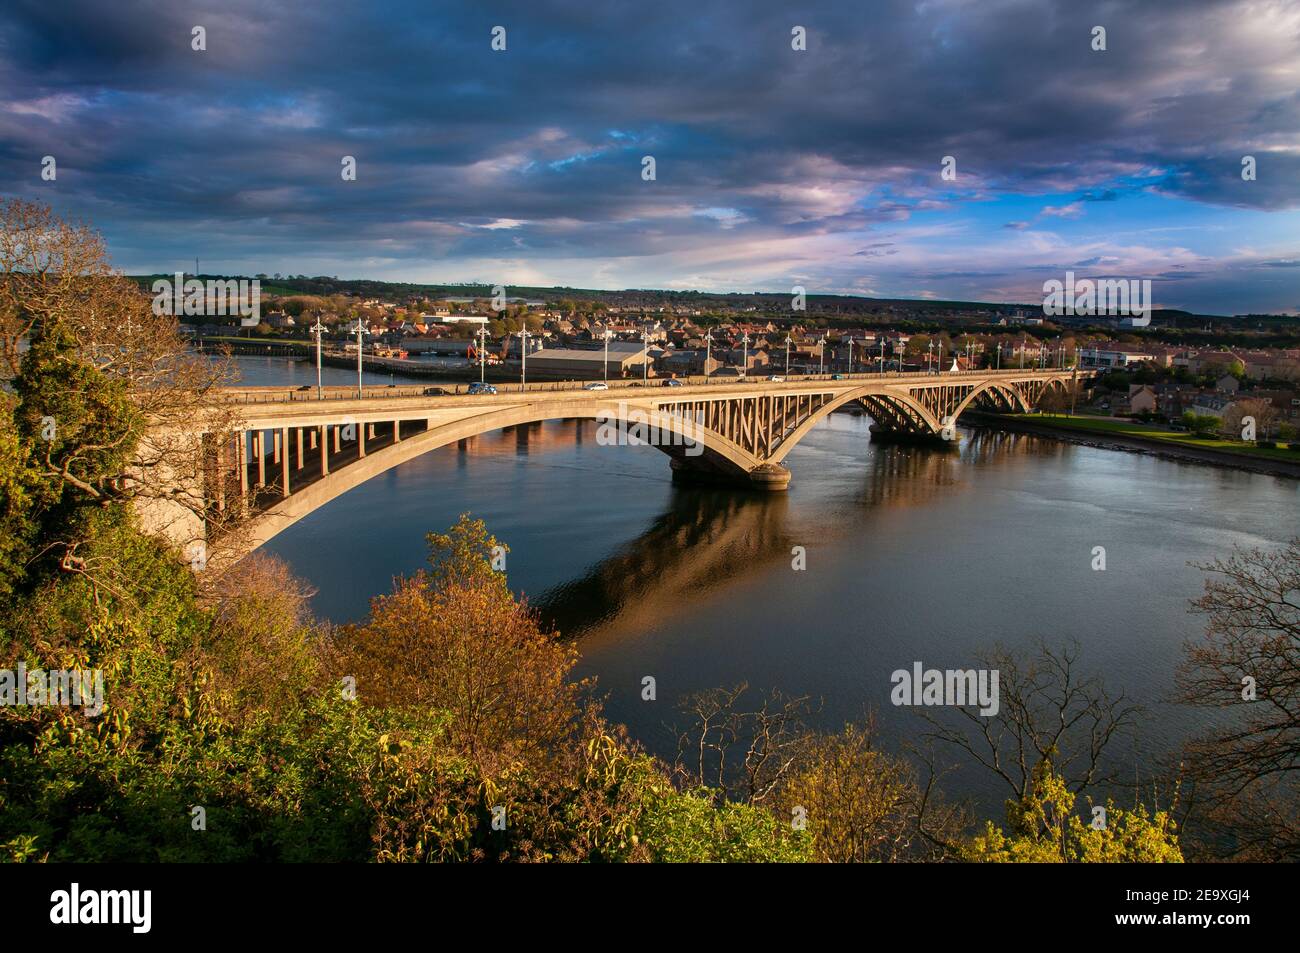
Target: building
point(1211, 405)
point(559, 363)
point(1141, 399)
point(462, 318)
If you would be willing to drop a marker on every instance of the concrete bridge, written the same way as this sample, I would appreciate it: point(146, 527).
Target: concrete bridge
point(294, 452)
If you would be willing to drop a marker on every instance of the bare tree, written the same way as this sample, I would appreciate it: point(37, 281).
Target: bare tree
point(768, 739)
point(1048, 710)
point(1248, 667)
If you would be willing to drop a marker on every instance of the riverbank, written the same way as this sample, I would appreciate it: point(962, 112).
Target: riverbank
point(1109, 435)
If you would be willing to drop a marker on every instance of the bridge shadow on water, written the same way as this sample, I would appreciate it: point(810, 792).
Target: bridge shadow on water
point(710, 538)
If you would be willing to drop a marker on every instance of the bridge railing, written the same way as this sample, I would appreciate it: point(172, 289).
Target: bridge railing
point(307, 392)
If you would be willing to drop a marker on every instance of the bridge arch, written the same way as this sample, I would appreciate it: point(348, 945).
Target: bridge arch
point(718, 452)
point(901, 405)
point(1012, 398)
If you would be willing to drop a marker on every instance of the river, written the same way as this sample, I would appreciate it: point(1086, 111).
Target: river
point(912, 554)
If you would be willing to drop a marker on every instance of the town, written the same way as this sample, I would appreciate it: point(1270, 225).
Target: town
point(1204, 379)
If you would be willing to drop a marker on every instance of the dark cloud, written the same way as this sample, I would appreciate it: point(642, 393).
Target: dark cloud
point(534, 155)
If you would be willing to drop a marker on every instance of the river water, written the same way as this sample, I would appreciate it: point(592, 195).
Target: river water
point(912, 554)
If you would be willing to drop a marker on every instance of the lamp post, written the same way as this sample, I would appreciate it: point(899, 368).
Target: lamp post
point(482, 354)
point(850, 353)
point(318, 329)
point(607, 334)
point(744, 354)
point(929, 357)
point(708, 353)
point(1023, 341)
point(882, 355)
point(787, 355)
point(821, 354)
point(361, 329)
point(523, 359)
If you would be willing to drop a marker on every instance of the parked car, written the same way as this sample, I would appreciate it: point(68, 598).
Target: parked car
point(435, 392)
point(596, 385)
point(838, 377)
point(776, 378)
point(673, 382)
point(479, 387)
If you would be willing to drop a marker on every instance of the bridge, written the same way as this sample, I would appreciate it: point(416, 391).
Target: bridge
point(294, 451)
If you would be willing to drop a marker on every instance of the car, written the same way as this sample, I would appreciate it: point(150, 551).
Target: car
point(435, 392)
point(776, 378)
point(596, 385)
point(673, 382)
point(838, 377)
point(479, 387)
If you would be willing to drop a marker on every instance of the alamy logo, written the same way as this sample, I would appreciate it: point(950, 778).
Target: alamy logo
point(63, 686)
point(635, 428)
point(214, 298)
point(951, 687)
point(75, 905)
point(1102, 296)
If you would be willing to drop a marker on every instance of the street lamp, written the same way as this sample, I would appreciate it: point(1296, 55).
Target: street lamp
point(744, 354)
point(318, 329)
point(850, 353)
point(929, 357)
point(361, 329)
point(607, 334)
point(787, 355)
point(882, 355)
point(708, 353)
point(482, 353)
point(821, 354)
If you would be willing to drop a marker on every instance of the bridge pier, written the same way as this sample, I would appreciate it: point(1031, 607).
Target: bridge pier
point(880, 434)
point(768, 477)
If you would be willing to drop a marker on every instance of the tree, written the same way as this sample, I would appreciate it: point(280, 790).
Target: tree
point(1043, 826)
point(1246, 771)
point(108, 395)
point(862, 805)
point(1264, 414)
point(1048, 711)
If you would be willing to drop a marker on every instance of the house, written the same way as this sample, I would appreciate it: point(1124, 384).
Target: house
point(1277, 367)
point(1141, 399)
point(688, 363)
point(1211, 405)
point(1227, 384)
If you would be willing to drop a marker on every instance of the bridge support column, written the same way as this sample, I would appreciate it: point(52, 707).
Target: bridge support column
point(277, 445)
point(324, 449)
point(361, 441)
point(337, 446)
point(283, 436)
point(242, 453)
point(259, 447)
point(298, 430)
point(397, 431)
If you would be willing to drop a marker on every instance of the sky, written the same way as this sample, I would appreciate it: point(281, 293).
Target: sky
point(773, 166)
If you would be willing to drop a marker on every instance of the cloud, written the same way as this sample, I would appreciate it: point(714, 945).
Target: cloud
point(767, 160)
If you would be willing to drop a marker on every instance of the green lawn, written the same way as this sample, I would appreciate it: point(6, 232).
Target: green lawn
point(1155, 432)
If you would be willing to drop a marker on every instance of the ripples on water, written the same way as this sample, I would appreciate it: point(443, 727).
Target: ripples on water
point(912, 555)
